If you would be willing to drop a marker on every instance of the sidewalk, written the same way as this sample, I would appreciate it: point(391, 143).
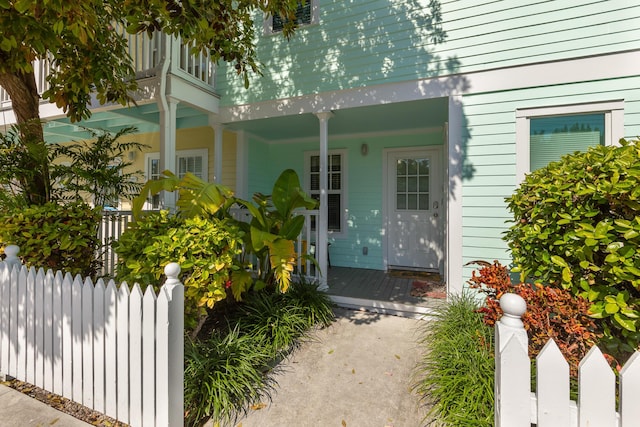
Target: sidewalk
point(17, 409)
point(356, 373)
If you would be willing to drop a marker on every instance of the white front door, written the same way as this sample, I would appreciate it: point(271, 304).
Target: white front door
point(415, 214)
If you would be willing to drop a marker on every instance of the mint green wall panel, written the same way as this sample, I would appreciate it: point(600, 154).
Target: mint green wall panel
point(364, 187)
point(489, 132)
point(369, 42)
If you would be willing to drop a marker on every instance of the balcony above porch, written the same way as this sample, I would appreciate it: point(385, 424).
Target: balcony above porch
point(164, 68)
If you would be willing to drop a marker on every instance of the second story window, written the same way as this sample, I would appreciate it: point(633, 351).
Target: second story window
point(306, 14)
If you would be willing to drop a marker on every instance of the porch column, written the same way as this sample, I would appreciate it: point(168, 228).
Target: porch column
point(217, 147)
point(168, 117)
point(242, 165)
point(323, 225)
point(454, 143)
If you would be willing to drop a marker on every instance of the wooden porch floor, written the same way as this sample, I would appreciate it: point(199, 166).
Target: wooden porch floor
point(377, 291)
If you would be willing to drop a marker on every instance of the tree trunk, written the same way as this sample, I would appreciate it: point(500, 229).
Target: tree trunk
point(25, 102)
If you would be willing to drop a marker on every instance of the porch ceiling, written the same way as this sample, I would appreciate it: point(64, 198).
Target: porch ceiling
point(378, 118)
point(144, 117)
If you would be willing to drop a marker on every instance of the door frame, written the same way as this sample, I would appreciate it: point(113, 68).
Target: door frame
point(437, 152)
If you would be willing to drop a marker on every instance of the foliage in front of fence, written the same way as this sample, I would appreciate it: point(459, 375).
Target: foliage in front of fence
point(230, 370)
point(205, 248)
point(54, 236)
point(456, 373)
point(269, 236)
point(551, 313)
point(274, 228)
point(576, 226)
point(96, 170)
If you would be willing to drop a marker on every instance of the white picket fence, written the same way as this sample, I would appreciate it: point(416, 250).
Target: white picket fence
point(550, 404)
point(115, 350)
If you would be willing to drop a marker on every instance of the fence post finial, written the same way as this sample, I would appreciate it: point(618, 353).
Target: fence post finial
point(11, 252)
point(172, 271)
point(513, 307)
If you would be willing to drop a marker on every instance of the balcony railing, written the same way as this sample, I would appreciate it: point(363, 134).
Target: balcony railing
point(147, 53)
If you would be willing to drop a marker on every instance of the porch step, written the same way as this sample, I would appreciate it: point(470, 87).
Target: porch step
point(383, 307)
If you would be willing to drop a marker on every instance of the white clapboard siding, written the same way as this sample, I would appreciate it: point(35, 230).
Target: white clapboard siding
point(112, 350)
point(550, 404)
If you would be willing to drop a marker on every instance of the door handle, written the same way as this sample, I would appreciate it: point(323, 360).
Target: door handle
point(435, 205)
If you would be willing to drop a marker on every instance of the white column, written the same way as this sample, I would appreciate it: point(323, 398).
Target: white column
point(217, 148)
point(242, 165)
point(455, 148)
point(168, 117)
point(323, 225)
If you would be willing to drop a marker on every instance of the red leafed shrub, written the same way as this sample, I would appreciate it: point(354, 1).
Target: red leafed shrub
point(551, 313)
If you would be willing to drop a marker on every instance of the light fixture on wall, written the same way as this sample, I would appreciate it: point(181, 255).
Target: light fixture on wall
point(364, 149)
point(132, 156)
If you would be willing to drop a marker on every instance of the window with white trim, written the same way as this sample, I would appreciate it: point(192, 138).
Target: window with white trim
point(544, 135)
point(194, 161)
point(336, 186)
point(306, 14)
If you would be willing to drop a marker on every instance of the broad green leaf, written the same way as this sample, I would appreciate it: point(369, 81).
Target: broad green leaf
point(559, 261)
point(627, 324)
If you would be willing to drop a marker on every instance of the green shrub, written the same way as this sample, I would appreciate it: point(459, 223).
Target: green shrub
point(316, 306)
point(204, 248)
point(54, 236)
point(456, 374)
point(577, 226)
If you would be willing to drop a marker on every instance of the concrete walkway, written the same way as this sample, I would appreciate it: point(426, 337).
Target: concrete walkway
point(356, 373)
point(17, 409)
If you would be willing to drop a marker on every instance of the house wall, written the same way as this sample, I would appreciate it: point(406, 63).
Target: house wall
point(370, 42)
point(364, 184)
point(189, 139)
point(490, 172)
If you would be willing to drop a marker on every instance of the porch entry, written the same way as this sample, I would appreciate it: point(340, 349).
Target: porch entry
point(414, 209)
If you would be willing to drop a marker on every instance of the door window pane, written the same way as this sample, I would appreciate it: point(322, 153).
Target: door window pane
point(412, 184)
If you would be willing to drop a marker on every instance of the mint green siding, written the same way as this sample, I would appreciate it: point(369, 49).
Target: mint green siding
point(363, 182)
point(370, 42)
point(490, 153)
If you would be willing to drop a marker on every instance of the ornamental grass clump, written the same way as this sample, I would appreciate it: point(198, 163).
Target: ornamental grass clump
point(576, 226)
point(456, 374)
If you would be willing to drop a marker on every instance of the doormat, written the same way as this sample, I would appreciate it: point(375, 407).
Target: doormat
point(425, 284)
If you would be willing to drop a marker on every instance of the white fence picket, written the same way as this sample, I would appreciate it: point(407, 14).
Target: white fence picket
point(5, 304)
point(110, 350)
point(38, 324)
point(135, 361)
point(96, 345)
point(48, 331)
point(20, 343)
point(597, 391)
point(76, 331)
point(30, 312)
point(629, 391)
point(87, 343)
point(552, 387)
point(67, 336)
point(149, 357)
point(123, 352)
point(57, 340)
